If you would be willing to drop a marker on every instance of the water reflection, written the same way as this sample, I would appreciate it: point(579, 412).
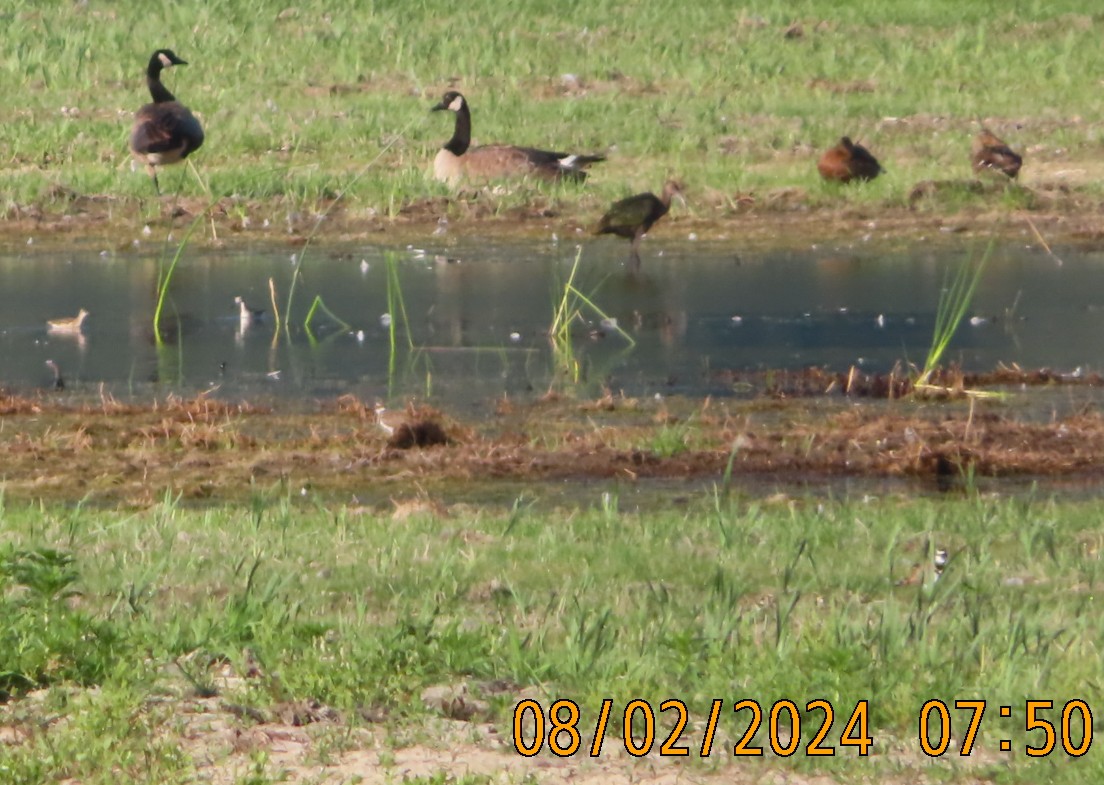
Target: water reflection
point(469, 321)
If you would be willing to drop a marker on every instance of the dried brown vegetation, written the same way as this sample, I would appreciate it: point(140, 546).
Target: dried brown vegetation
point(204, 448)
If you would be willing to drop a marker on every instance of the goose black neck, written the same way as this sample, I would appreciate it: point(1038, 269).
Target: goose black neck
point(159, 92)
point(461, 136)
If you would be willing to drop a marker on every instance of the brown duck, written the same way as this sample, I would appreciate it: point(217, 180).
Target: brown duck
point(165, 131)
point(458, 160)
point(631, 218)
point(990, 153)
point(848, 161)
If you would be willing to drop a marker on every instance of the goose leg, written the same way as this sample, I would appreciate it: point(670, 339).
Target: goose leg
point(153, 173)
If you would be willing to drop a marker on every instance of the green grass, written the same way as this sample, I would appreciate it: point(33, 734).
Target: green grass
point(718, 599)
point(296, 99)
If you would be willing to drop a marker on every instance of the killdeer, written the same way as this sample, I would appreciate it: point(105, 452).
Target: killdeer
point(927, 575)
point(633, 217)
point(458, 160)
point(165, 131)
point(848, 161)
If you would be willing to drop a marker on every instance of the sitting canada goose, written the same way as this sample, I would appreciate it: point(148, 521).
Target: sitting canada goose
point(990, 153)
point(633, 217)
point(248, 316)
point(164, 132)
point(67, 326)
point(848, 161)
point(458, 160)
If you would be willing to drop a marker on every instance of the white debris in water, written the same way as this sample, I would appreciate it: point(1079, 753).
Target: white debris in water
point(146, 231)
point(880, 321)
point(609, 323)
point(692, 236)
point(555, 238)
point(385, 320)
point(843, 309)
point(515, 337)
point(294, 258)
point(274, 375)
point(30, 241)
point(977, 321)
point(737, 319)
point(265, 223)
point(360, 336)
point(418, 253)
point(364, 266)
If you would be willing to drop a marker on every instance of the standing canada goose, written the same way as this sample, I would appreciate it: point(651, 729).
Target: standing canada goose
point(458, 160)
point(67, 326)
point(633, 217)
point(165, 131)
point(990, 153)
point(848, 161)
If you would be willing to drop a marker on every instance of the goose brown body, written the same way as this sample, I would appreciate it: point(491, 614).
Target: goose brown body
point(632, 217)
point(165, 131)
point(848, 161)
point(990, 153)
point(457, 160)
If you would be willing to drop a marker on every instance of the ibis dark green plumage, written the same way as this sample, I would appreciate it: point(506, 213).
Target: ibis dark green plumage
point(631, 218)
point(165, 131)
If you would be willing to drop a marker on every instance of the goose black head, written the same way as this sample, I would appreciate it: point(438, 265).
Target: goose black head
point(452, 101)
point(167, 58)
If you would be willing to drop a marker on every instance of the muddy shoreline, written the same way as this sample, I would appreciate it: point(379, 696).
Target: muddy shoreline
point(774, 220)
point(210, 450)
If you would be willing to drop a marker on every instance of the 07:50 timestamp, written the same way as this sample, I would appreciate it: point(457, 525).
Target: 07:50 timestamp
point(1073, 729)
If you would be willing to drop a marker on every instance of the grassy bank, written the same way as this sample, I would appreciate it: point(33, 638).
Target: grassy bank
point(298, 99)
point(119, 623)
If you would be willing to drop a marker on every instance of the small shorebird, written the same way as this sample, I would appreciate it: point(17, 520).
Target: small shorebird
point(920, 573)
point(389, 420)
point(246, 315)
point(59, 382)
point(67, 326)
point(631, 218)
point(848, 161)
